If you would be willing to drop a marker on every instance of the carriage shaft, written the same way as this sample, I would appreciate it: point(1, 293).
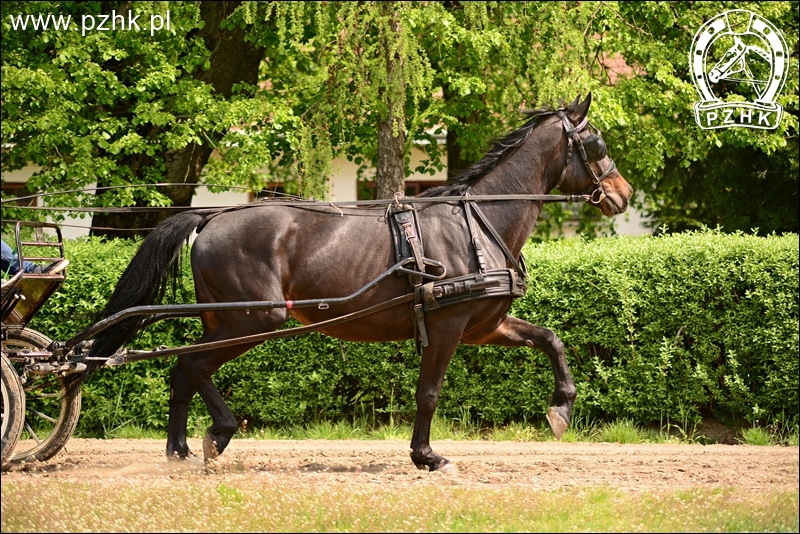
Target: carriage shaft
point(128, 356)
point(167, 311)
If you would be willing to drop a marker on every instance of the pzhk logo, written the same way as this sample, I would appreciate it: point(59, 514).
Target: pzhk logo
point(755, 62)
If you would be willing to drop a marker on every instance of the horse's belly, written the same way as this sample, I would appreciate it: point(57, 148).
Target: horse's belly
point(387, 325)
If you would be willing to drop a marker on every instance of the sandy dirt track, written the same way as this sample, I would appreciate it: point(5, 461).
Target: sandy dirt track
point(544, 466)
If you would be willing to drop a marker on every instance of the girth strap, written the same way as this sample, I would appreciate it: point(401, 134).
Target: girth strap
point(406, 234)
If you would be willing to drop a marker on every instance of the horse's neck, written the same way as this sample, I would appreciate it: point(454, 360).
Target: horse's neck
point(524, 172)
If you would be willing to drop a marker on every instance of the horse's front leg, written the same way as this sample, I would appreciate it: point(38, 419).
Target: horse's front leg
point(435, 359)
point(516, 333)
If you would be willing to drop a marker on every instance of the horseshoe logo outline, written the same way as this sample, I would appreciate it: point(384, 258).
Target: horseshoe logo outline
point(763, 112)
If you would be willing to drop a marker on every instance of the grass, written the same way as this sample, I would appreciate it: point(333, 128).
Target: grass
point(581, 429)
point(267, 503)
point(621, 431)
point(756, 436)
point(771, 435)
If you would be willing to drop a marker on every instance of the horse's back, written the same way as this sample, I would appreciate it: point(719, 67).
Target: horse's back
point(297, 250)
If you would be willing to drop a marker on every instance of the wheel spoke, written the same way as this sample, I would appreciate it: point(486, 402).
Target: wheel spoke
point(46, 396)
point(32, 433)
point(43, 416)
point(51, 409)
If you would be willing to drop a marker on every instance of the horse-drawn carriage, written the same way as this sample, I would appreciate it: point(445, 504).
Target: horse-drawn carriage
point(456, 249)
point(37, 403)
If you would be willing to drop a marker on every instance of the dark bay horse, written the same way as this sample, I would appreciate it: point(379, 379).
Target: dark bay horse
point(290, 251)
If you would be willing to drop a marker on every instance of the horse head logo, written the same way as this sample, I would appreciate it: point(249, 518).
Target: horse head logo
point(755, 55)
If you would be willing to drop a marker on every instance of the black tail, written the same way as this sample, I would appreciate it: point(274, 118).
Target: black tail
point(146, 278)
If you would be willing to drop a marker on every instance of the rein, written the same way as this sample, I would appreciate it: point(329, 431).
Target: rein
point(303, 202)
point(595, 197)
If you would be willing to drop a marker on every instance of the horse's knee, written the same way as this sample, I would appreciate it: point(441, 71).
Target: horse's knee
point(427, 398)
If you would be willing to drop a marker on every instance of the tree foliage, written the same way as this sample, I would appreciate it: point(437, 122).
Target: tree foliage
point(326, 84)
point(471, 66)
point(739, 178)
point(122, 105)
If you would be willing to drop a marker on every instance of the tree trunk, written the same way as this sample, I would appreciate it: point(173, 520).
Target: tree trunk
point(232, 61)
point(391, 134)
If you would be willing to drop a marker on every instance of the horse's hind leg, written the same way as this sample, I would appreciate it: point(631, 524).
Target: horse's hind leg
point(198, 368)
point(516, 333)
point(193, 375)
point(181, 392)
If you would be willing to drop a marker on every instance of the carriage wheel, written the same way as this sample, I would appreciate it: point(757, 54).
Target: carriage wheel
point(51, 409)
point(13, 408)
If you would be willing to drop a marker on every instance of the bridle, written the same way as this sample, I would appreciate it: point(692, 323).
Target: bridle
point(591, 150)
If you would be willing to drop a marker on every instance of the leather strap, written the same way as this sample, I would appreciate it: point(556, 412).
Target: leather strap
point(566, 163)
point(474, 237)
point(499, 240)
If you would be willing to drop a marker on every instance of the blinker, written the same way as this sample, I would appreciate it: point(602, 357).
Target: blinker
point(595, 148)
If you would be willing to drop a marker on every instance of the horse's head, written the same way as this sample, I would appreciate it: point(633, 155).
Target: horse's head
point(587, 169)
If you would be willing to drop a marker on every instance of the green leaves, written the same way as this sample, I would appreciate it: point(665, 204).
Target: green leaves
point(81, 106)
point(667, 324)
point(656, 143)
point(467, 69)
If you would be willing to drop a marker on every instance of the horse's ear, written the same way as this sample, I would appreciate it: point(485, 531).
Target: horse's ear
point(572, 105)
point(577, 112)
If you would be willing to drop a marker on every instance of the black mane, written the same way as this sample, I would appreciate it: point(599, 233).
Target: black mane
point(502, 148)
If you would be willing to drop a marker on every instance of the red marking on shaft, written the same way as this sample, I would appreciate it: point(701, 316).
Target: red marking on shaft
point(288, 304)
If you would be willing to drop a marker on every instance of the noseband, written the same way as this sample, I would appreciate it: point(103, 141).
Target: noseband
point(591, 150)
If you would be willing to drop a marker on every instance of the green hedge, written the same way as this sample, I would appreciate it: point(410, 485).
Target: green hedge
point(660, 327)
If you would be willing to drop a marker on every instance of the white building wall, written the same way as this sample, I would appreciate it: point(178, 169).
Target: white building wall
point(631, 223)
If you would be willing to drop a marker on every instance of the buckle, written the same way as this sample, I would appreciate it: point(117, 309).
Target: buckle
point(599, 197)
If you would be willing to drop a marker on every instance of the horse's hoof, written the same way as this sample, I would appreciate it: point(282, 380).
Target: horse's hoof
point(557, 423)
point(448, 468)
point(443, 465)
point(210, 451)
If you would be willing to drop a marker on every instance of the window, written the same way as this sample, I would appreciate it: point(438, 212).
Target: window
point(368, 190)
point(18, 189)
